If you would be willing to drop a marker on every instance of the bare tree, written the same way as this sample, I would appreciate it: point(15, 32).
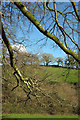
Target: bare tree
point(59, 61)
point(61, 32)
point(58, 25)
point(47, 58)
point(71, 62)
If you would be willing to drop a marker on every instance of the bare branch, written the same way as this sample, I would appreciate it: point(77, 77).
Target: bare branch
point(62, 30)
point(24, 10)
point(75, 9)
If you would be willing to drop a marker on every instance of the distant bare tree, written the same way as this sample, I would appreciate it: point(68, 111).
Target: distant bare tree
point(47, 58)
point(71, 62)
point(59, 60)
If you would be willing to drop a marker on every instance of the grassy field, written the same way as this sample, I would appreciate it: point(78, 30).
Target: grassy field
point(35, 116)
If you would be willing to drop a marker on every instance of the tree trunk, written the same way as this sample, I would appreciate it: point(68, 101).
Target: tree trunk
point(46, 64)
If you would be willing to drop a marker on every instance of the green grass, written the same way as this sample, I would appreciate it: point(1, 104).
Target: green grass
point(35, 116)
point(52, 74)
point(62, 75)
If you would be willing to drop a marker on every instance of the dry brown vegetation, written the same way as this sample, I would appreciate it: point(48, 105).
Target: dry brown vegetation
point(56, 98)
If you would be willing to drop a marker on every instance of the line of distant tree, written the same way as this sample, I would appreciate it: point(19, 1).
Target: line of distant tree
point(69, 61)
point(46, 59)
point(60, 66)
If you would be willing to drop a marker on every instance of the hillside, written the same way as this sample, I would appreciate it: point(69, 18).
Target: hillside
point(59, 91)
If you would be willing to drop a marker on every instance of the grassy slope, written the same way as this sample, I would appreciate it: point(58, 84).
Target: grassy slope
point(49, 74)
point(62, 75)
